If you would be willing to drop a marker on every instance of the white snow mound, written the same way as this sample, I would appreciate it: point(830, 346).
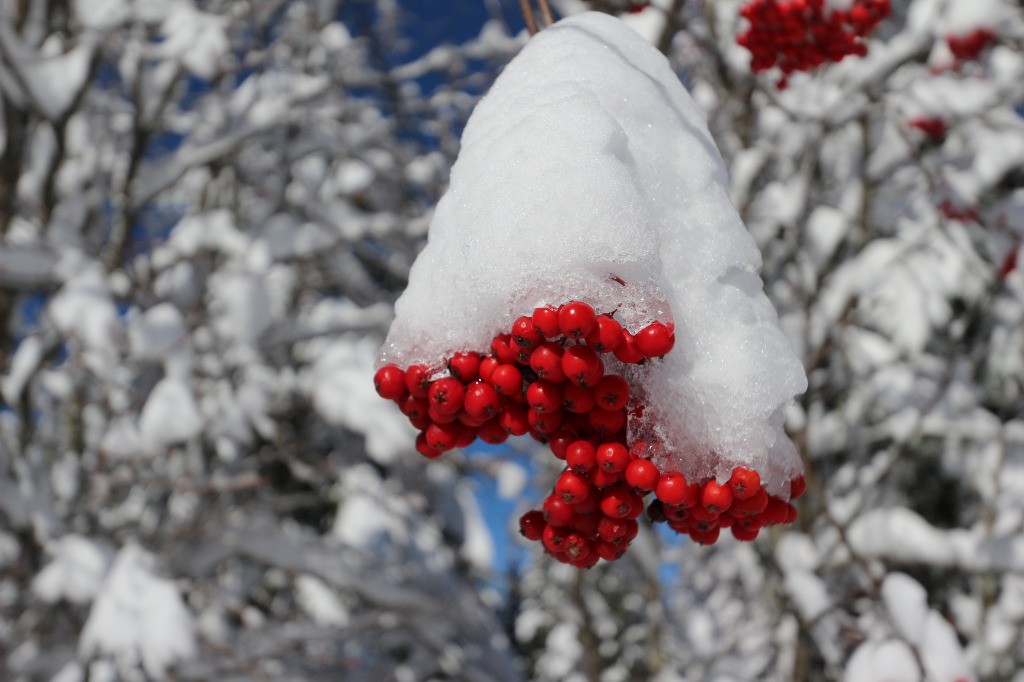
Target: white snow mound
point(588, 159)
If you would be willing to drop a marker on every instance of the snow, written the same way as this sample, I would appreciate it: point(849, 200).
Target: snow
point(138, 617)
point(589, 159)
point(52, 80)
point(511, 479)
point(155, 332)
point(195, 38)
point(364, 521)
point(25, 361)
point(477, 544)
point(101, 14)
point(25, 265)
point(924, 629)
point(318, 600)
point(889, 660)
point(75, 573)
point(341, 384)
point(169, 416)
point(902, 535)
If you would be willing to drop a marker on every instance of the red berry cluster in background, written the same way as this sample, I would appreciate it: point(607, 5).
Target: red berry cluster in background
point(552, 377)
point(932, 126)
point(801, 35)
point(969, 47)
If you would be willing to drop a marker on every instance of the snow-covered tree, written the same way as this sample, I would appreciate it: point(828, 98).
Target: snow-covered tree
point(207, 210)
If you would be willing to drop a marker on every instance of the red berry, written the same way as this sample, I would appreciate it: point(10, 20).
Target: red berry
point(487, 366)
point(465, 366)
point(465, 435)
point(612, 392)
point(481, 400)
point(745, 533)
point(441, 437)
point(797, 487)
point(620, 502)
point(446, 395)
point(572, 487)
point(655, 340)
point(581, 456)
point(544, 396)
point(627, 351)
point(642, 474)
point(390, 383)
point(553, 538)
point(557, 511)
point(744, 483)
point(698, 513)
point(607, 422)
point(612, 457)
point(546, 361)
point(776, 512)
point(754, 504)
point(577, 547)
point(531, 525)
point(609, 551)
point(469, 420)
point(582, 366)
point(501, 349)
point(507, 380)
point(576, 319)
point(708, 537)
point(544, 422)
point(560, 441)
point(716, 498)
point(546, 321)
point(605, 336)
point(423, 447)
point(656, 512)
point(514, 419)
point(493, 432)
point(417, 380)
point(521, 354)
point(612, 530)
point(526, 334)
point(603, 479)
point(441, 417)
point(414, 408)
point(632, 527)
point(577, 399)
point(672, 488)
point(586, 513)
point(421, 423)
point(586, 562)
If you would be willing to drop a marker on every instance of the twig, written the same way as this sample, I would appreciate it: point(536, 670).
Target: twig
point(531, 21)
point(545, 10)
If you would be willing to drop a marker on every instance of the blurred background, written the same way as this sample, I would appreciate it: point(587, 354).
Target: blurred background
point(207, 210)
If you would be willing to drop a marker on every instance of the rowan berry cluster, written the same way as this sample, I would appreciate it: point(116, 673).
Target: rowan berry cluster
point(932, 126)
point(553, 376)
point(969, 47)
point(801, 35)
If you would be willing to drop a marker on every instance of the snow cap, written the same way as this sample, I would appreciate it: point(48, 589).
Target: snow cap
point(586, 164)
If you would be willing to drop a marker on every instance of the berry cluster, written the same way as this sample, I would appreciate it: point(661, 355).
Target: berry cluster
point(932, 126)
point(553, 376)
point(801, 35)
point(953, 211)
point(969, 47)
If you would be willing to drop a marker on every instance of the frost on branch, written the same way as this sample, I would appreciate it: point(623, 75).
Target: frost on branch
point(588, 174)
